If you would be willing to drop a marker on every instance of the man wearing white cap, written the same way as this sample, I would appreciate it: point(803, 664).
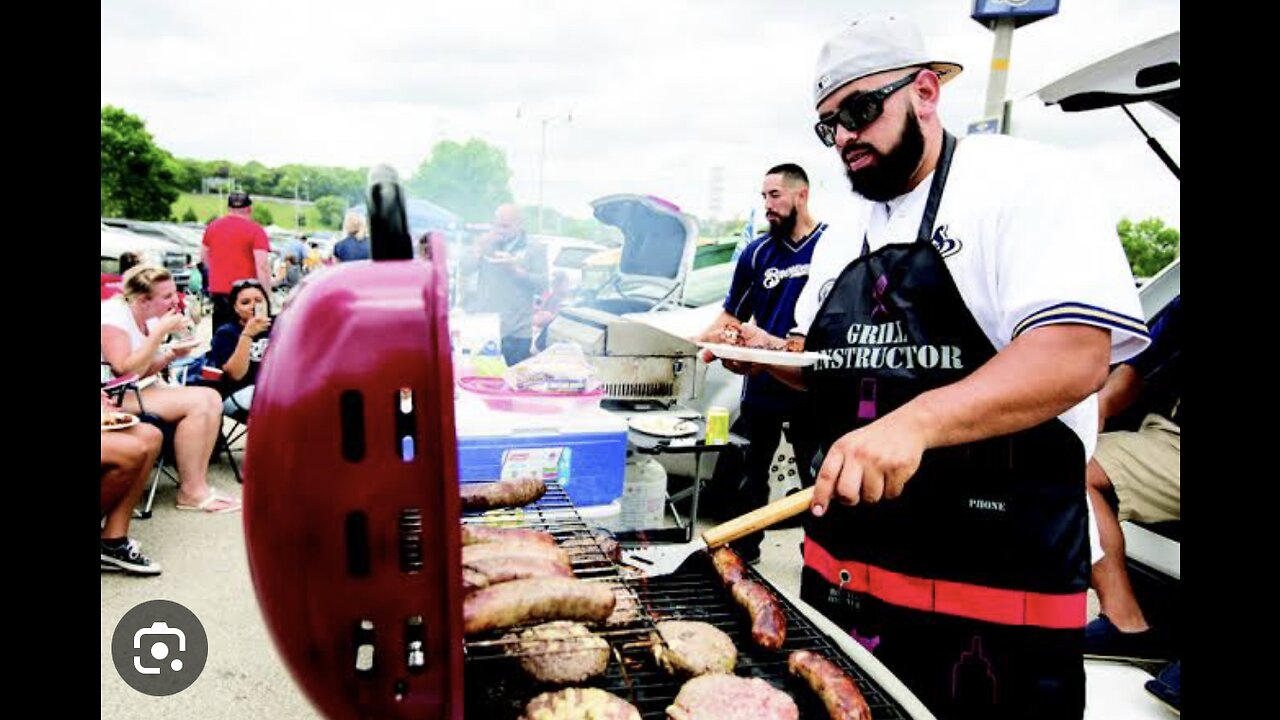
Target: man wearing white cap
point(964, 326)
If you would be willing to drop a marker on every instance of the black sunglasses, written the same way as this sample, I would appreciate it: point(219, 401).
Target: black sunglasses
point(859, 110)
point(247, 282)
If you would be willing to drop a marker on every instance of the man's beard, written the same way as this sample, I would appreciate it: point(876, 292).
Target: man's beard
point(887, 178)
point(783, 226)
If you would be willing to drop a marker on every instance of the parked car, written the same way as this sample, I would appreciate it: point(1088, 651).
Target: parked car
point(176, 253)
point(567, 255)
point(155, 248)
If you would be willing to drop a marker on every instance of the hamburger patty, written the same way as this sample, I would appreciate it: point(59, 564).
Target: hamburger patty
point(579, 704)
point(729, 697)
point(694, 648)
point(560, 652)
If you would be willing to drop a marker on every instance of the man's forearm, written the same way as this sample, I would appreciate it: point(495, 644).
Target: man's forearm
point(1038, 376)
point(1119, 392)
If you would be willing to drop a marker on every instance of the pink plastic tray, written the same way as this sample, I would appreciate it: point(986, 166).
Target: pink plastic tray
point(495, 393)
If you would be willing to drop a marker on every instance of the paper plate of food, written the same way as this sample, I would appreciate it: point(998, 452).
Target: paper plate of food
point(663, 425)
point(118, 421)
point(762, 356)
point(186, 344)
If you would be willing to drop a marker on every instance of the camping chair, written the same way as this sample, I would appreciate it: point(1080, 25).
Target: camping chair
point(166, 463)
point(228, 433)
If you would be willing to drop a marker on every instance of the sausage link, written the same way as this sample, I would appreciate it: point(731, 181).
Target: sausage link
point(501, 494)
point(478, 534)
point(837, 690)
point(536, 600)
point(768, 624)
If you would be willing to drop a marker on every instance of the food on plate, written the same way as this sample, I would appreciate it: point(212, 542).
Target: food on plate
point(728, 697)
point(768, 624)
point(794, 344)
point(837, 690)
point(663, 424)
point(528, 550)
point(478, 534)
point(116, 419)
point(694, 648)
point(531, 600)
point(559, 652)
point(514, 492)
point(579, 704)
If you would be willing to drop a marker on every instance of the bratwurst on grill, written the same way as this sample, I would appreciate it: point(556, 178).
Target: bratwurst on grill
point(531, 600)
point(491, 571)
point(477, 534)
point(838, 692)
point(516, 492)
point(531, 550)
point(768, 623)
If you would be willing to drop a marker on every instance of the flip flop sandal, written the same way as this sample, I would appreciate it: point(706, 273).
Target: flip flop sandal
point(231, 504)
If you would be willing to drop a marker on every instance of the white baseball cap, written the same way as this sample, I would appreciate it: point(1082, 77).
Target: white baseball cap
point(873, 44)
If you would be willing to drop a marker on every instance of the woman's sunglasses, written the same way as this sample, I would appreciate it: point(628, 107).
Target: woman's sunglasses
point(858, 110)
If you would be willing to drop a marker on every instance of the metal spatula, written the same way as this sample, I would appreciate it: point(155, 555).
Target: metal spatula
point(663, 560)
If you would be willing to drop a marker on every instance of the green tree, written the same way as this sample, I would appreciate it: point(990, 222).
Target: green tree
point(470, 179)
point(190, 215)
point(262, 215)
point(330, 208)
point(138, 178)
point(1148, 244)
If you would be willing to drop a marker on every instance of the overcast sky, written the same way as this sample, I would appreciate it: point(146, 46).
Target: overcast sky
point(663, 95)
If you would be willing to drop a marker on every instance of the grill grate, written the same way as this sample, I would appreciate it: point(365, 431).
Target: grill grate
point(495, 686)
point(497, 689)
point(695, 592)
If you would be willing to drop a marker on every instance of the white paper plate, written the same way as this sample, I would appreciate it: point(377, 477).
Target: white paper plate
point(761, 356)
point(128, 421)
point(663, 425)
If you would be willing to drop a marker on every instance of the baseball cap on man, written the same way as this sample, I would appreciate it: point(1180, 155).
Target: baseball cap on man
point(870, 45)
point(239, 200)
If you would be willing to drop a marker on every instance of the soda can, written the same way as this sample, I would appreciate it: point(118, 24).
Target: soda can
point(717, 426)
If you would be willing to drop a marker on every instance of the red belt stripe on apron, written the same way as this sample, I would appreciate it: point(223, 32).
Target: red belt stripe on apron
point(995, 605)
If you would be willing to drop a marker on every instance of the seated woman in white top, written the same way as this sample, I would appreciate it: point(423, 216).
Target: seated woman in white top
point(134, 325)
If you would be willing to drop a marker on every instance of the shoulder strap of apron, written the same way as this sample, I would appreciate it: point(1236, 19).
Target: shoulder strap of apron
point(925, 233)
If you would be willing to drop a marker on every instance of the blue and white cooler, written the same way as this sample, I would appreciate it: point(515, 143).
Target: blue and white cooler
point(585, 448)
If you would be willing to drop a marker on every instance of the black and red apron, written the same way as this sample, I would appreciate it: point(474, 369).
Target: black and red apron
point(970, 586)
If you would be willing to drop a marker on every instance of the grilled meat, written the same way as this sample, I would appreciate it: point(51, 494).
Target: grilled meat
point(496, 570)
point(728, 565)
point(768, 624)
point(598, 540)
point(516, 492)
point(530, 600)
point(728, 697)
point(473, 553)
point(694, 648)
point(560, 652)
point(836, 689)
point(579, 704)
point(477, 534)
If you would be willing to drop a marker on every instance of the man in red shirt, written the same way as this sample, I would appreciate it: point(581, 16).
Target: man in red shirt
point(235, 248)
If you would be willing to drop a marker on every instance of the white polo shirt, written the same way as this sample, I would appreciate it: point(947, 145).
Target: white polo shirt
point(1024, 241)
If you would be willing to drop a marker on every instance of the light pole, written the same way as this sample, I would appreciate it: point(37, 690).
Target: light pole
point(546, 121)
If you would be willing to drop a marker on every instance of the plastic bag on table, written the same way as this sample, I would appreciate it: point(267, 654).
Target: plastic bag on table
point(561, 368)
